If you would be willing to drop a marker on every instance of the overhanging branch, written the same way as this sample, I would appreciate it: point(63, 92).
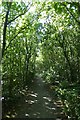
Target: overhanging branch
point(14, 38)
point(26, 10)
point(71, 14)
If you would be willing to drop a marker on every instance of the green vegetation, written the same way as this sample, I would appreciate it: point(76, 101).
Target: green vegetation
point(42, 39)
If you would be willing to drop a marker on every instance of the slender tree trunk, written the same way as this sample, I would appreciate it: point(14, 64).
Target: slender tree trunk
point(78, 56)
point(10, 78)
point(62, 45)
point(5, 28)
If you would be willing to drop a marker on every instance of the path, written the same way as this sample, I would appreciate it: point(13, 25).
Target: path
point(39, 102)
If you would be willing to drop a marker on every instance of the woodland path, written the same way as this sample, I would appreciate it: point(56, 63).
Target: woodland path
point(39, 102)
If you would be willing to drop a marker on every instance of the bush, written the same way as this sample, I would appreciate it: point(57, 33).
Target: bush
point(71, 102)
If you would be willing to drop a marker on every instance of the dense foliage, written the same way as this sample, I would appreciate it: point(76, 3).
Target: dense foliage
point(42, 38)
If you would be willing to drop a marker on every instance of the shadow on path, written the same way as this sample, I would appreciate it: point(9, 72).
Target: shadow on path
point(38, 102)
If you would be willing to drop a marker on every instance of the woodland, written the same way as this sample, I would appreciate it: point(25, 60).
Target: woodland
point(40, 46)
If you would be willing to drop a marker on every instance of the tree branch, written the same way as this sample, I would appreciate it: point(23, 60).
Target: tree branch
point(6, 23)
point(71, 14)
point(19, 14)
point(20, 32)
point(14, 38)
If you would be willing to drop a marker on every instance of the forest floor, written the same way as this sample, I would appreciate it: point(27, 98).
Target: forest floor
point(38, 101)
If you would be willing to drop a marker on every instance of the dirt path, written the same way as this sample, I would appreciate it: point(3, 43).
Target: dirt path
point(39, 102)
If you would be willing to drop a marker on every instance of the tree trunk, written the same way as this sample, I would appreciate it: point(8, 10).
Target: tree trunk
point(5, 28)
